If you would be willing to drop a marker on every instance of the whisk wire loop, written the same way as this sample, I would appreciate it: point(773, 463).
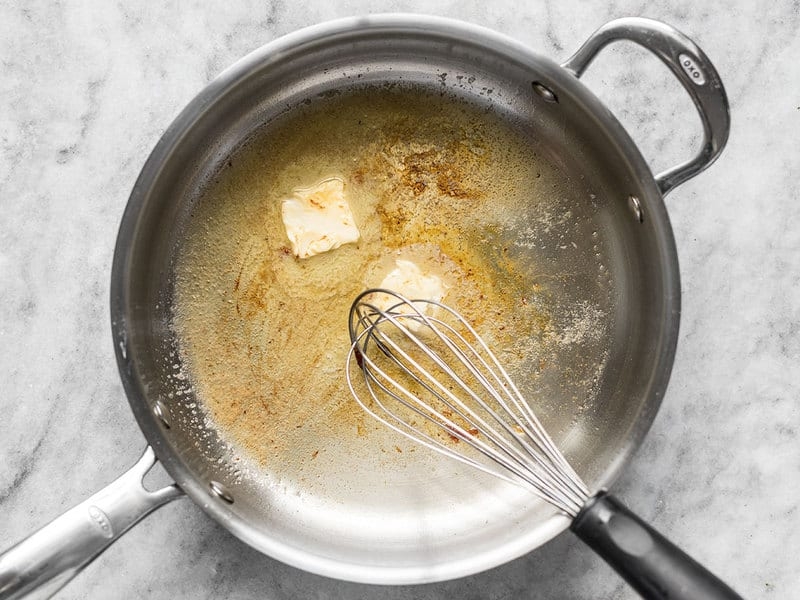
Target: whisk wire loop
point(401, 426)
point(422, 360)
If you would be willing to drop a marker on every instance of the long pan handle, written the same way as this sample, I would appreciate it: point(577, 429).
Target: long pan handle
point(41, 564)
point(649, 562)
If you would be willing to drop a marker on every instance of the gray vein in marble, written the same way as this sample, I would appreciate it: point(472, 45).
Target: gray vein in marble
point(550, 32)
point(27, 461)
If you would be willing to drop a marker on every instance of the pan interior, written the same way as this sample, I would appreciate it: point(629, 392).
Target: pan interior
point(523, 204)
point(262, 334)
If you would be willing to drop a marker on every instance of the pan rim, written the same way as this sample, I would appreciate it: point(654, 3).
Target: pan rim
point(137, 396)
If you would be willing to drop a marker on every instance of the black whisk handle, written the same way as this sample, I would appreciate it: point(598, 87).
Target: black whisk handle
point(649, 562)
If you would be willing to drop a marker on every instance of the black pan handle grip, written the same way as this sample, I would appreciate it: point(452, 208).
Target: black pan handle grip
point(649, 562)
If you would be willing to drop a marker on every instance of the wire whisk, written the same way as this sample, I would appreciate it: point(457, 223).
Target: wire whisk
point(428, 375)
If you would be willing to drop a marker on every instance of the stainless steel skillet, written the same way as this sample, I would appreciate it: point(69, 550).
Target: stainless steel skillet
point(447, 524)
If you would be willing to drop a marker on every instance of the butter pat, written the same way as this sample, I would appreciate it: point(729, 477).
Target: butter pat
point(318, 219)
point(408, 280)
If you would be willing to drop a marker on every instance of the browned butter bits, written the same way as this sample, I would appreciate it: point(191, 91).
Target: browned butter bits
point(429, 179)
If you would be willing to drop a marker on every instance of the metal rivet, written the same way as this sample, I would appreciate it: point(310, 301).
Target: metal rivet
point(545, 92)
point(161, 412)
point(220, 491)
point(636, 207)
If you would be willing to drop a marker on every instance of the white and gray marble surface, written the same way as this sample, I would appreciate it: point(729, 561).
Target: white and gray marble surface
point(88, 88)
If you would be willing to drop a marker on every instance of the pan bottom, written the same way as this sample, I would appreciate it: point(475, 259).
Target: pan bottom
point(262, 335)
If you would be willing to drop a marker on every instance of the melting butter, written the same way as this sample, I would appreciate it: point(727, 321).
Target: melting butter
point(318, 219)
point(408, 280)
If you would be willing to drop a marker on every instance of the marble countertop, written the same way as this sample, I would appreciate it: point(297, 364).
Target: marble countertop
point(87, 90)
